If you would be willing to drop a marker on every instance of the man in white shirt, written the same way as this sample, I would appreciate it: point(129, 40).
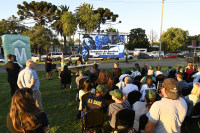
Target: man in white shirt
point(135, 73)
point(167, 115)
point(158, 71)
point(124, 75)
point(129, 86)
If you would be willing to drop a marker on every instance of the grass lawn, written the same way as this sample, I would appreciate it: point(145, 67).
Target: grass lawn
point(61, 107)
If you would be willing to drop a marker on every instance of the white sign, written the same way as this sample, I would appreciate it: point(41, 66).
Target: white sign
point(103, 52)
point(23, 53)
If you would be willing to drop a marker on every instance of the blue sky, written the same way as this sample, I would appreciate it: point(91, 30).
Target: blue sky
point(145, 14)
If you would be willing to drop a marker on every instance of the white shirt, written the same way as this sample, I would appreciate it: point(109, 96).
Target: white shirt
point(142, 91)
point(156, 73)
point(129, 88)
point(168, 115)
point(122, 77)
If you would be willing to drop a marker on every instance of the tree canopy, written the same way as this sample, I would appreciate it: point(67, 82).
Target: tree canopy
point(86, 18)
point(173, 39)
point(137, 39)
point(112, 30)
point(41, 12)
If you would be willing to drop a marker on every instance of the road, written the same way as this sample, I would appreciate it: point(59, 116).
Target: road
point(122, 65)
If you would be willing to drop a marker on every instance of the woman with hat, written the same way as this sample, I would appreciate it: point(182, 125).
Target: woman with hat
point(48, 66)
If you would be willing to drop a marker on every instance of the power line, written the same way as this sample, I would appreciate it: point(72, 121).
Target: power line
point(139, 2)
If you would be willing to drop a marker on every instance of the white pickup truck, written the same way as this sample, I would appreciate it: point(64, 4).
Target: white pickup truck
point(155, 54)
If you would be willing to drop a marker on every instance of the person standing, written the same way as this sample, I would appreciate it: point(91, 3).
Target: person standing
point(13, 70)
point(28, 78)
point(48, 66)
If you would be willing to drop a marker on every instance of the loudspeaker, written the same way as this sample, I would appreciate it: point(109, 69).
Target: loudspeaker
point(194, 42)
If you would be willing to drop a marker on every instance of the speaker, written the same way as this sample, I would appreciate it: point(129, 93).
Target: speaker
point(194, 42)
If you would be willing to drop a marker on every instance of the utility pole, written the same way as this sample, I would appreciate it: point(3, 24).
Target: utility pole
point(161, 30)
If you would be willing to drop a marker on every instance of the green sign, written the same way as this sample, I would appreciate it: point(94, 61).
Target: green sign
point(17, 45)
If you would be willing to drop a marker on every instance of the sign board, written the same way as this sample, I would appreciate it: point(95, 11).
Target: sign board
point(103, 46)
point(17, 45)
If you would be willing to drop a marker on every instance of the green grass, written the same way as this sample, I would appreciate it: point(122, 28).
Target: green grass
point(61, 107)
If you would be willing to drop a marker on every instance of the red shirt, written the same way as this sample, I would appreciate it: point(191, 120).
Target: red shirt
point(189, 72)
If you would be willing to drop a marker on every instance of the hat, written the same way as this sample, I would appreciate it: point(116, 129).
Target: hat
point(134, 68)
point(151, 94)
point(116, 93)
point(81, 71)
point(101, 88)
point(127, 71)
point(150, 67)
point(172, 87)
point(180, 67)
point(150, 72)
point(170, 67)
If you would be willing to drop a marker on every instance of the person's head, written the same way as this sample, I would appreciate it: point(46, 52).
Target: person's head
point(149, 81)
point(101, 90)
point(196, 89)
point(150, 97)
point(86, 85)
point(190, 65)
point(23, 110)
point(30, 63)
point(150, 72)
point(14, 58)
point(95, 66)
point(81, 72)
point(116, 65)
point(69, 59)
point(138, 66)
point(145, 66)
point(181, 70)
point(80, 58)
point(170, 67)
point(48, 55)
point(170, 89)
point(127, 71)
point(150, 67)
point(179, 76)
point(128, 80)
point(116, 95)
point(66, 69)
point(158, 68)
point(134, 68)
point(103, 76)
point(10, 57)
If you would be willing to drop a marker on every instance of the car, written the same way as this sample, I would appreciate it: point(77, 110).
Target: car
point(182, 54)
point(54, 55)
point(155, 54)
point(144, 56)
point(128, 56)
point(34, 55)
point(171, 55)
point(188, 55)
point(2, 58)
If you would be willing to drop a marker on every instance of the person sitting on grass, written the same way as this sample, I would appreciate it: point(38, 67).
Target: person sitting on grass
point(116, 68)
point(111, 85)
point(150, 73)
point(169, 69)
point(115, 107)
point(189, 70)
point(135, 73)
point(193, 98)
point(127, 71)
point(81, 76)
point(196, 77)
point(25, 115)
point(129, 86)
point(138, 67)
point(94, 70)
point(144, 70)
point(158, 71)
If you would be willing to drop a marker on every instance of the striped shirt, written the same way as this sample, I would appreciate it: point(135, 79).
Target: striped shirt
point(114, 108)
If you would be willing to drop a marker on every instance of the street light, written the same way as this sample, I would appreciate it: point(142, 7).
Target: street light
point(161, 29)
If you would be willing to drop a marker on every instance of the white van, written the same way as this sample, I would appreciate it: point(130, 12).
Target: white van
point(54, 55)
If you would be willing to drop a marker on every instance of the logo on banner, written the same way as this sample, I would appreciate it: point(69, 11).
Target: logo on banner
point(21, 55)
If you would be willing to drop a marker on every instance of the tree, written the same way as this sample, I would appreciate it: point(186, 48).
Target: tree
point(152, 37)
point(41, 12)
point(137, 39)
point(112, 30)
point(41, 37)
point(173, 39)
point(11, 26)
point(86, 18)
point(77, 40)
point(58, 25)
point(105, 14)
point(70, 42)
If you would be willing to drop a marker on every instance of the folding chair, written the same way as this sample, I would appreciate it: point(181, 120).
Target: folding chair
point(124, 118)
point(160, 77)
point(94, 77)
point(66, 79)
point(54, 69)
point(84, 97)
point(142, 122)
point(138, 83)
point(138, 77)
point(93, 120)
point(133, 97)
point(172, 74)
point(117, 74)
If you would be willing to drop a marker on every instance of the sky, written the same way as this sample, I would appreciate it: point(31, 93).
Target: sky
point(145, 14)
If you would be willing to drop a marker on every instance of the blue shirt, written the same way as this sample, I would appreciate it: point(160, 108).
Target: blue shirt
point(26, 76)
point(197, 77)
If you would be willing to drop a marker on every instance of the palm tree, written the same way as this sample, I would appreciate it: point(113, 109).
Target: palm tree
point(58, 25)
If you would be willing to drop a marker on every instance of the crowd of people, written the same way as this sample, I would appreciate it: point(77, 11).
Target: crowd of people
point(164, 106)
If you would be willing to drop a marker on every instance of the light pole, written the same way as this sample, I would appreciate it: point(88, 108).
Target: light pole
point(161, 30)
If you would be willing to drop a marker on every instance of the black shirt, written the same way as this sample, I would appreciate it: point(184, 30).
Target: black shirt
point(116, 70)
point(94, 102)
point(12, 70)
point(41, 117)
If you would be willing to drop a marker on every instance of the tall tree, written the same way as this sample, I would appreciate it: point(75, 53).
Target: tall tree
point(41, 37)
point(114, 31)
point(137, 39)
point(86, 18)
point(105, 15)
point(152, 37)
point(58, 25)
point(173, 39)
point(41, 12)
point(77, 40)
